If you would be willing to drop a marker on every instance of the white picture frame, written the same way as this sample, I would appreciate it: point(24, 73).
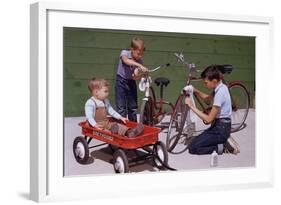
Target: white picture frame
point(46, 172)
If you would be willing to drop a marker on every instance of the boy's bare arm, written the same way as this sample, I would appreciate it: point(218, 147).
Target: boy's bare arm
point(207, 98)
point(207, 118)
point(131, 62)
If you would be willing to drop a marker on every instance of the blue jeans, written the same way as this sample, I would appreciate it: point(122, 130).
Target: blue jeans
point(126, 98)
point(208, 141)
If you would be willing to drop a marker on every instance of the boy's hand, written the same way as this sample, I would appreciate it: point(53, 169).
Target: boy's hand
point(188, 102)
point(124, 120)
point(139, 72)
point(143, 69)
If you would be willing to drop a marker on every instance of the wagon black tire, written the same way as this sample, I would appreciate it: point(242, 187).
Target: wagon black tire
point(160, 155)
point(120, 162)
point(81, 150)
point(146, 115)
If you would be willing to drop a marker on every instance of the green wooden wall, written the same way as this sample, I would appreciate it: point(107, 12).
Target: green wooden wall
point(95, 53)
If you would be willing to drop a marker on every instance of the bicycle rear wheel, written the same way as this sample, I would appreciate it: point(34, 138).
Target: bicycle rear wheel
point(240, 100)
point(176, 138)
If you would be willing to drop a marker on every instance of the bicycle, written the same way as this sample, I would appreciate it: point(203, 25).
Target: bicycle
point(152, 111)
point(181, 129)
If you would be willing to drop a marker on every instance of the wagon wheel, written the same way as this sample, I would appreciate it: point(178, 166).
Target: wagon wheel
point(81, 150)
point(120, 162)
point(160, 155)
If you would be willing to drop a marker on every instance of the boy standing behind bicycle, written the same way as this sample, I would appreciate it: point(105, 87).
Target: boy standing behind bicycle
point(217, 137)
point(129, 68)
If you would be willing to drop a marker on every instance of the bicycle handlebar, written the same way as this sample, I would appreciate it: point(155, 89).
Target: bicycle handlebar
point(190, 66)
point(147, 79)
point(157, 68)
point(180, 57)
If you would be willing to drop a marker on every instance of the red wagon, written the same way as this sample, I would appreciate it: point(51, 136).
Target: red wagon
point(148, 142)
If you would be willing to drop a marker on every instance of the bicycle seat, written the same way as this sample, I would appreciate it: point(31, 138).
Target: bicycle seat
point(225, 69)
point(162, 81)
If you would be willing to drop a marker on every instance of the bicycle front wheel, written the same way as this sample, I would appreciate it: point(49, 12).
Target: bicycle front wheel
point(176, 139)
point(146, 114)
point(240, 101)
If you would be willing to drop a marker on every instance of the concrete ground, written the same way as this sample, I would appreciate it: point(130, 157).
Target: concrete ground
point(101, 157)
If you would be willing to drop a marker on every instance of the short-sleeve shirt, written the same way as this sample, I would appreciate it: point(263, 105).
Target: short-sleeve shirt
point(222, 99)
point(124, 70)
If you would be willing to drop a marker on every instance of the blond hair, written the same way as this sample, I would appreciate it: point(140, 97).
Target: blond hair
point(137, 43)
point(97, 83)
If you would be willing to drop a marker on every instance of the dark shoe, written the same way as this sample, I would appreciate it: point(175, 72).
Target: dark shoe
point(231, 146)
point(114, 129)
point(135, 131)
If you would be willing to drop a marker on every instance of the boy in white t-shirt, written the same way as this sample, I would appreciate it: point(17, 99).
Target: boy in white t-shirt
point(217, 137)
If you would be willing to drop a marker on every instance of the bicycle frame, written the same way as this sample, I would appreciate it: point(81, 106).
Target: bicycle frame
point(190, 69)
point(181, 129)
point(156, 106)
point(190, 78)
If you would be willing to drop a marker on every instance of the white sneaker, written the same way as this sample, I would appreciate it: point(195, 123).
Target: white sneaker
point(231, 146)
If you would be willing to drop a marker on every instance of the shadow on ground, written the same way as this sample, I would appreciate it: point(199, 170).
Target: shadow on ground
point(106, 155)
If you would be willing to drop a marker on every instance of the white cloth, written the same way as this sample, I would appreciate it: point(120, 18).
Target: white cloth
point(192, 116)
point(142, 84)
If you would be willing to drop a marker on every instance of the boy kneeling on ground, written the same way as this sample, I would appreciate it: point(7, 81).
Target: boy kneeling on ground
point(98, 106)
point(217, 137)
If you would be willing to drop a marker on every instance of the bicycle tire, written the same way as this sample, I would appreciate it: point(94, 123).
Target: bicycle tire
point(239, 110)
point(146, 115)
point(176, 125)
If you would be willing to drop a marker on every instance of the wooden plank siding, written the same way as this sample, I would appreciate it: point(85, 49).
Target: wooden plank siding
point(95, 52)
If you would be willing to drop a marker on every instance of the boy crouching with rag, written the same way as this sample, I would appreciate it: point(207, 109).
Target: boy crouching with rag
point(217, 137)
